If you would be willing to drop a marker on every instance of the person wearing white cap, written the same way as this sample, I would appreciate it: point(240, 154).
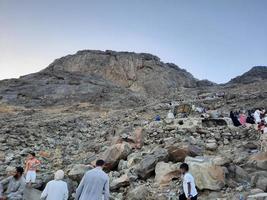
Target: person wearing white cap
point(56, 189)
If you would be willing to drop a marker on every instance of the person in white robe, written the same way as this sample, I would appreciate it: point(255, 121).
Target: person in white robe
point(56, 189)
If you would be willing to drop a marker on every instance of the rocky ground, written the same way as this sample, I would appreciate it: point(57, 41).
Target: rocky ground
point(103, 104)
point(143, 156)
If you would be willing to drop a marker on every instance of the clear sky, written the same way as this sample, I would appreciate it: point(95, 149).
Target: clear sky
point(212, 39)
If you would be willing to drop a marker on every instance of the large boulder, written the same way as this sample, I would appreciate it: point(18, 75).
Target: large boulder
point(31, 194)
point(207, 174)
point(146, 167)
point(259, 160)
point(178, 154)
point(259, 180)
point(133, 159)
point(212, 146)
point(220, 160)
point(262, 184)
point(115, 153)
point(166, 172)
point(77, 171)
point(122, 181)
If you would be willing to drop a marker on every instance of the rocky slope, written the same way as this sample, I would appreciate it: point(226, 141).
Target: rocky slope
point(143, 73)
point(257, 73)
point(96, 104)
point(108, 78)
point(64, 88)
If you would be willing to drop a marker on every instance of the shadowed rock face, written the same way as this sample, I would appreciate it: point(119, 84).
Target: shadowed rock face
point(257, 73)
point(103, 78)
point(143, 73)
point(64, 88)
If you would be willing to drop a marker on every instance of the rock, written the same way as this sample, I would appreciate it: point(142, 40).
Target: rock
point(123, 181)
point(44, 154)
point(115, 153)
point(256, 191)
point(251, 145)
point(139, 137)
point(240, 174)
point(207, 175)
point(133, 159)
point(226, 141)
point(139, 193)
point(257, 176)
point(2, 156)
point(77, 171)
point(10, 169)
point(220, 160)
point(31, 194)
point(122, 165)
point(259, 196)
point(262, 184)
point(177, 154)
point(210, 122)
point(194, 150)
point(147, 165)
point(260, 160)
point(161, 154)
point(211, 146)
point(166, 172)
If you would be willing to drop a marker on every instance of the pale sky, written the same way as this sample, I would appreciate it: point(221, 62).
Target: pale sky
point(212, 39)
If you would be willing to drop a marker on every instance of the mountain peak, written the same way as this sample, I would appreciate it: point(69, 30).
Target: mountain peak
point(256, 73)
point(139, 72)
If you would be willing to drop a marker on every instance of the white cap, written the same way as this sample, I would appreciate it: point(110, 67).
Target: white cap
point(59, 175)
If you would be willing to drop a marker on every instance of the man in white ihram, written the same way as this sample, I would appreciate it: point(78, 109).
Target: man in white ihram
point(56, 189)
point(94, 185)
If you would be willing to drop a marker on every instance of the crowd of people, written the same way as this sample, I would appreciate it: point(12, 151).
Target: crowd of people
point(257, 117)
point(94, 184)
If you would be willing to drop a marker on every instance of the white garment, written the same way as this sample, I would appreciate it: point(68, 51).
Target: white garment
point(31, 176)
point(170, 115)
point(257, 117)
point(55, 190)
point(265, 130)
point(188, 178)
point(93, 186)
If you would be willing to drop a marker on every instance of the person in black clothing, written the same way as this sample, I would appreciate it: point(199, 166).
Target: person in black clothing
point(250, 118)
point(234, 119)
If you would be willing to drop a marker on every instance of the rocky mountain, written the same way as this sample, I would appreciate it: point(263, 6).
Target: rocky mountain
point(96, 104)
point(142, 73)
point(257, 73)
point(108, 78)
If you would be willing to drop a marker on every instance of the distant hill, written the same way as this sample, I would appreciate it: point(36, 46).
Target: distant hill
point(257, 73)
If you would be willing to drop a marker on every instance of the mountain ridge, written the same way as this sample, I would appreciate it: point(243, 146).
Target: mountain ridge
point(256, 73)
point(107, 78)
